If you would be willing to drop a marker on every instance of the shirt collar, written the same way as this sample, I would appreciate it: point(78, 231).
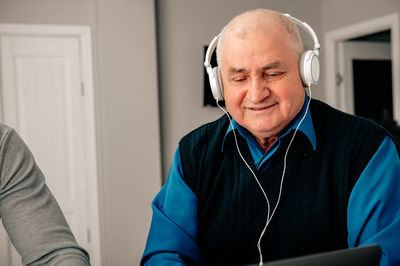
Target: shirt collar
point(306, 126)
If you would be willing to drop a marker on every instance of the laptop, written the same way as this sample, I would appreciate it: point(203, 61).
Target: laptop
point(368, 255)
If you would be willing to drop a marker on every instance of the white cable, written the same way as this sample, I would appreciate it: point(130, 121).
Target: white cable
point(241, 156)
point(287, 150)
point(255, 177)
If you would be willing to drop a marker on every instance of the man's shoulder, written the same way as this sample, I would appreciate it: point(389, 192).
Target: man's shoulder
point(333, 119)
point(4, 132)
point(321, 110)
point(208, 131)
point(339, 131)
point(197, 144)
point(4, 129)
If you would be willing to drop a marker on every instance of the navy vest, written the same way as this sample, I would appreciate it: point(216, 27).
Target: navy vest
point(311, 216)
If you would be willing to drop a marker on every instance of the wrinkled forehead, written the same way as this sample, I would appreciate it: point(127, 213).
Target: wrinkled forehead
point(267, 38)
point(246, 26)
point(261, 22)
point(250, 26)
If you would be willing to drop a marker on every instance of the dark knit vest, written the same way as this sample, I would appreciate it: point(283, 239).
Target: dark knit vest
point(311, 216)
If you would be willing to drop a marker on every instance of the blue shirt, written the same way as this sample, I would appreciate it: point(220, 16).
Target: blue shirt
point(373, 212)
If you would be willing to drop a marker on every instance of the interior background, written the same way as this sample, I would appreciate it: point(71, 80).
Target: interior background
point(148, 75)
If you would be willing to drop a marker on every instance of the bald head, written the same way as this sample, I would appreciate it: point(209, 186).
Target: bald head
point(255, 22)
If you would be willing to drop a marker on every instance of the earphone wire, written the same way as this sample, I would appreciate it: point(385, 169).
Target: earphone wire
point(241, 156)
point(269, 216)
point(287, 151)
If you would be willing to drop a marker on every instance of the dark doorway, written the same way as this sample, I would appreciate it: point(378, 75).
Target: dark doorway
point(373, 89)
point(373, 94)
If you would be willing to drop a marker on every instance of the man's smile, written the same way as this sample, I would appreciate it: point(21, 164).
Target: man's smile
point(261, 108)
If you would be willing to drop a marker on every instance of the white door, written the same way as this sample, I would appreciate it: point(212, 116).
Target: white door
point(348, 51)
point(43, 97)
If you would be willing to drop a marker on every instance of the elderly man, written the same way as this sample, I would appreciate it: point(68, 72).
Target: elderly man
point(288, 176)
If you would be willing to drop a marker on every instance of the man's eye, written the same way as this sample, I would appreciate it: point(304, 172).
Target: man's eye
point(239, 79)
point(272, 75)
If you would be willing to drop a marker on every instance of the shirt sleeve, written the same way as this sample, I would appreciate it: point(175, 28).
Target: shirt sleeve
point(373, 214)
point(173, 230)
point(30, 214)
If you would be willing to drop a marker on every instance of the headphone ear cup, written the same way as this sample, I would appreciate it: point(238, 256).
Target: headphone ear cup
point(216, 84)
point(309, 68)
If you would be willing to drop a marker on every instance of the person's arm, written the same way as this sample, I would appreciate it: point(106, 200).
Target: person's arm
point(30, 214)
point(373, 214)
point(172, 235)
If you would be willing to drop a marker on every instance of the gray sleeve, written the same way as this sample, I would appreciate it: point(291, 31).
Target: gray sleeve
point(29, 211)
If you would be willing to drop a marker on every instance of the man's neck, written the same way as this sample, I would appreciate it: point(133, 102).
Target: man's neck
point(267, 142)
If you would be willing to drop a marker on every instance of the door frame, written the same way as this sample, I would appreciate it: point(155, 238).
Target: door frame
point(382, 52)
point(334, 93)
point(83, 34)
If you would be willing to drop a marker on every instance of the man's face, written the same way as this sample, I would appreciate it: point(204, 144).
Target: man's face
point(262, 87)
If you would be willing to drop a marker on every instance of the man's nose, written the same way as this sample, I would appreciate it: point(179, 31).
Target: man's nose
point(258, 90)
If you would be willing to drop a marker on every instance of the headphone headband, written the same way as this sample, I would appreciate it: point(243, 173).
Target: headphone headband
point(308, 29)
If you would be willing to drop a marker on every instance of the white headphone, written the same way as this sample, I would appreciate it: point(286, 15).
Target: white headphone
point(308, 63)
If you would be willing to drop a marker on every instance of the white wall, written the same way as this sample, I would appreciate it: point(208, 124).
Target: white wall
point(341, 13)
point(130, 125)
point(126, 110)
point(184, 28)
